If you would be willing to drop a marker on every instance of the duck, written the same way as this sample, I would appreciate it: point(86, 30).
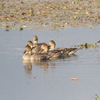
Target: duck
point(35, 48)
point(30, 43)
point(41, 54)
point(51, 53)
point(66, 51)
point(52, 45)
point(28, 55)
point(28, 50)
point(35, 41)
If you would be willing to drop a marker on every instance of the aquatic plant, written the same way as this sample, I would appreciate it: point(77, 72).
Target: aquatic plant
point(49, 15)
point(86, 45)
point(96, 97)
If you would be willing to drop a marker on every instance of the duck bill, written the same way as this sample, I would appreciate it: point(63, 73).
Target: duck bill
point(24, 52)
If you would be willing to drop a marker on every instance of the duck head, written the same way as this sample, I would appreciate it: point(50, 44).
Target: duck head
point(45, 48)
point(52, 45)
point(35, 39)
point(28, 50)
point(30, 43)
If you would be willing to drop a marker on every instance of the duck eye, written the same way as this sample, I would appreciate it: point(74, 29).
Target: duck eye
point(49, 47)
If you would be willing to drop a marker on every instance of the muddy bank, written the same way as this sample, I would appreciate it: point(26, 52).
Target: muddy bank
point(49, 15)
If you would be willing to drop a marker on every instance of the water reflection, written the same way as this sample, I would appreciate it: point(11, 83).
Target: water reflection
point(44, 64)
point(27, 66)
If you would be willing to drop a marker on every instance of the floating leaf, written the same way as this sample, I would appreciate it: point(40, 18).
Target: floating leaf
point(54, 15)
point(50, 8)
point(90, 26)
point(22, 17)
point(73, 2)
point(7, 19)
point(21, 28)
point(64, 8)
point(74, 17)
point(96, 97)
point(38, 12)
point(3, 5)
point(76, 13)
point(23, 13)
point(86, 45)
point(44, 14)
point(34, 77)
point(32, 12)
point(86, 12)
point(74, 79)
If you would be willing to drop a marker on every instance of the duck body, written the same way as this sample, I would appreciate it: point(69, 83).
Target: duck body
point(68, 51)
point(64, 51)
point(36, 49)
point(42, 51)
point(35, 56)
point(26, 57)
point(55, 54)
point(52, 53)
point(36, 46)
point(39, 56)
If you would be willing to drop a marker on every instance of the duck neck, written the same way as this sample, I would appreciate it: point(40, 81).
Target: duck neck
point(31, 46)
point(45, 50)
point(52, 47)
point(30, 52)
point(35, 42)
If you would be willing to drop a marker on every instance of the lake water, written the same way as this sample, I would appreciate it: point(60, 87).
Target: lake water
point(49, 80)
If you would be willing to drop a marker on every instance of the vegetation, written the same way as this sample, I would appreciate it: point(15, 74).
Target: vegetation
point(49, 15)
point(96, 97)
point(86, 45)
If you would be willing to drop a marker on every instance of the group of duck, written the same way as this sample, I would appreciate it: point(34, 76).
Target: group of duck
point(43, 51)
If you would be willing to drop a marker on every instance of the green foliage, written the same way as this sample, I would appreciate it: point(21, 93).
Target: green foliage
point(21, 28)
point(86, 45)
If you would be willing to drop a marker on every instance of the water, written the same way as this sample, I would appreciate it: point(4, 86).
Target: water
point(49, 80)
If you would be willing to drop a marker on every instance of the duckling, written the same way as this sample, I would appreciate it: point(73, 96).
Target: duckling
point(27, 53)
point(66, 51)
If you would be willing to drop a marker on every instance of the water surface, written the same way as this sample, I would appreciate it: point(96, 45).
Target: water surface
point(49, 80)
